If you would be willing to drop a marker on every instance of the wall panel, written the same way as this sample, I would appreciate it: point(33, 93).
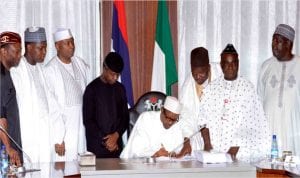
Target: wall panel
point(141, 23)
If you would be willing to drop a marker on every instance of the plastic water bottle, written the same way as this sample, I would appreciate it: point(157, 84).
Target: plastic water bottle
point(274, 149)
point(4, 161)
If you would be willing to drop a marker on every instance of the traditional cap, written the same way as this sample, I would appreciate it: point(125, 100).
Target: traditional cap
point(229, 49)
point(285, 31)
point(114, 62)
point(172, 105)
point(35, 34)
point(199, 57)
point(62, 34)
point(9, 38)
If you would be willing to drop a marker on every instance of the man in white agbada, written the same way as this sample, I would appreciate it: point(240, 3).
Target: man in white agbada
point(233, 112)
point(66, 77)
point(279, 86)
point(191, 93)
point(156, 133)
point(32, 98)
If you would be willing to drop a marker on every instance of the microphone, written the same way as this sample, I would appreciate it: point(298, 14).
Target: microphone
point(20, 170)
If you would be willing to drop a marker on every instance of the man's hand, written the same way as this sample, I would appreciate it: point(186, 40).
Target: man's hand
point(111, 141)
point(3, 123)
point(12, 153)
point(161, 152)
point(186, 149)
point(233, 152)
point(14, 156)
point(59, 165)
point(206, 139)
point(60, 149)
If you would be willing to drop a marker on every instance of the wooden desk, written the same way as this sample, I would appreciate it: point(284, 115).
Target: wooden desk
point(136, 168)
point(53, 170)
point(133, 168)
point(267, 169)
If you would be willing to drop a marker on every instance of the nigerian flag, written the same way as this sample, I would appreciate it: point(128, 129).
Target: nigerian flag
point(164, 72)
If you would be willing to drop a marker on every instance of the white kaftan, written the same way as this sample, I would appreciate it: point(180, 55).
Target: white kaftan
point(68, 92)
point(33, 110)
point(148, 136)
point(191, 106)
point(235, 117)
point(279, 88)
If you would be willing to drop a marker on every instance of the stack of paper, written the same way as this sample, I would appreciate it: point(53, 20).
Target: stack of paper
point(212, 157)
point(87, 159)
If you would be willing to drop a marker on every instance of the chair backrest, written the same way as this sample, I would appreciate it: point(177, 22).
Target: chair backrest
point(150, 101)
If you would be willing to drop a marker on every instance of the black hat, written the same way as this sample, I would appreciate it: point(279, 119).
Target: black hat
point(229, 49)
point(199, 57)
point(114, 62)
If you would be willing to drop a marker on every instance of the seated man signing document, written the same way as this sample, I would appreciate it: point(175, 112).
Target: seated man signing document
point(156, 133)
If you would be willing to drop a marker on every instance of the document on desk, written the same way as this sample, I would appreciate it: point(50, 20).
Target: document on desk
point(166, 159)
point(212, 157)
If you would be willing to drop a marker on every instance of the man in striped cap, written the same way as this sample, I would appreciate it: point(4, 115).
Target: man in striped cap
point(279, 86)
point(32, 98)
point(10, 54)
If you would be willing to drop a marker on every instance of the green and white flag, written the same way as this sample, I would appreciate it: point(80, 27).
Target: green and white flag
point(164, 72)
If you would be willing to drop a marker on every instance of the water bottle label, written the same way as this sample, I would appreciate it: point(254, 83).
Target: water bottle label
point(274, 154)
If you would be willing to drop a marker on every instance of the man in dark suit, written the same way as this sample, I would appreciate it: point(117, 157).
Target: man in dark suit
point(10, 55)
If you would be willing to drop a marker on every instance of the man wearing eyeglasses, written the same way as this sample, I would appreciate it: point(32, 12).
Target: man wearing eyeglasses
point(156, 133)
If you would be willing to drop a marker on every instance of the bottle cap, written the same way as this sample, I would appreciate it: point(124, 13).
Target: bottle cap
point(274, 137)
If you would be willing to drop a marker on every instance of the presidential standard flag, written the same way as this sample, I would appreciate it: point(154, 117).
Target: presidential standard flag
point(164, 72)
point(120, 45)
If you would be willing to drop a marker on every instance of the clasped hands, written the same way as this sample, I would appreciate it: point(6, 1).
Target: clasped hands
point(60, 148)
point(110, 141)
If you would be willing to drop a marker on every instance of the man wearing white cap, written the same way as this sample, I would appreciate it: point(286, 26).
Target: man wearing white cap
point(67, 78)
point(279, 86)
point(156, 133)
point(32, 98)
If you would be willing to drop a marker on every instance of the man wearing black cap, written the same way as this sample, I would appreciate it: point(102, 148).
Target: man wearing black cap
point(31, 96)
point(232, 111)
point(279, 86)
point(10, 54)
point(105, 111)
point(191, 93)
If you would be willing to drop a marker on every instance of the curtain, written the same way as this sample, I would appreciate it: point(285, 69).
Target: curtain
point(81, 16)
point(247, 24)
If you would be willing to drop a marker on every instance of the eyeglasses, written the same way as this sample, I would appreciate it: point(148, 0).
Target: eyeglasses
point(170, 119)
